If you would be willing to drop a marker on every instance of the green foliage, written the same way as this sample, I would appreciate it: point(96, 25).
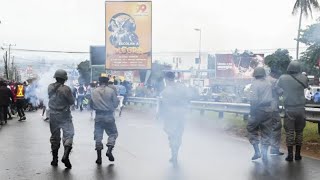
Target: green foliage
point(310, 58)
point(157, 70)
point(96, 72)
point(84, 71)
point(278, 61)
point(305, 6)
point(311, 35)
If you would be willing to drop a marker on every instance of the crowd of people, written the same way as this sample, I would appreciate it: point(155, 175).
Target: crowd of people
point(264, 125)
point(82, 92)
point(12, 101)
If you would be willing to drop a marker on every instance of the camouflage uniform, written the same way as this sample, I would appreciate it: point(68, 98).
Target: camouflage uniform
point(293, 85)
point(276, 119)
point(173, 110)
point(104, 101)
point(60, 115)
point(260, 113)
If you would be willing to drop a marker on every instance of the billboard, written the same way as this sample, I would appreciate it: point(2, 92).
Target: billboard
point(97, 55)
point(237, 66)
point(128, 35)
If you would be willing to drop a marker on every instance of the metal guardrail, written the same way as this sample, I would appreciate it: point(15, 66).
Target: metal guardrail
point(141, 100)
point(312, 112)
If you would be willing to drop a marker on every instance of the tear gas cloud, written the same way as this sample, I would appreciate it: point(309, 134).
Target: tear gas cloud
point(38, 90)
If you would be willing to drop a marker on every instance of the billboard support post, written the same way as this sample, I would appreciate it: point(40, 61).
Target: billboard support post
point(91, 71)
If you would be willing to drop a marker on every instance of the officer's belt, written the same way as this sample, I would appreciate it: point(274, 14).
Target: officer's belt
point(103, 112)
point(294, 106)
point(64, 109)
point(266, 104)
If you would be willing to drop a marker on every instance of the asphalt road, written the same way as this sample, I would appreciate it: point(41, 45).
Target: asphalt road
point(141, 153)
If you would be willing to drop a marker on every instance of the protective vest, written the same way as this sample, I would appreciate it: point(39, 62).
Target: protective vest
point(20, 92)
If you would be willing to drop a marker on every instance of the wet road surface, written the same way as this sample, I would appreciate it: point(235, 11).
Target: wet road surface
point(141, 153)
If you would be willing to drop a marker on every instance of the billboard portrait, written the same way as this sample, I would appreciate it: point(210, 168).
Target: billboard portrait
point(242, 66)
point(128, 35)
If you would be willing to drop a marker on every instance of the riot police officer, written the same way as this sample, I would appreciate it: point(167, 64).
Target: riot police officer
point(293, 84)
point(60, 100)
point(276, 119)
point(173, 109)
point(260, 113)
point(104, 101)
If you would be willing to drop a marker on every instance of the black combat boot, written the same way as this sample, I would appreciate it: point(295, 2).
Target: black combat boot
point(290, 154)
point(257, 153)
point(109, 153)
point(65, 158)
point(276, 151)
point(174, 157)
point(264, 152)
point(99, 159)
point(54, 161)
point(297, 156)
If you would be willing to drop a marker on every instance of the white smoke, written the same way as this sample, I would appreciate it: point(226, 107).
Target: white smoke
point(38, 90)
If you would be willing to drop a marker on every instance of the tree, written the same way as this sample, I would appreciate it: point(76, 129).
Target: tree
point(305, 7)
point(157, 70)
point(278, 61)
point(311, 57)
point(96, 72)
point(84, 71)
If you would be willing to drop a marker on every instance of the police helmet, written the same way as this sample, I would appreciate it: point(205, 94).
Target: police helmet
point(103, 79)
point(169, 76)
point(294, 67)
point(259, 72)
point(60, 73)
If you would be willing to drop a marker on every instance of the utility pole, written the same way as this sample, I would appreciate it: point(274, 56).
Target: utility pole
point(5, 59)
point(13, 75)
point(9, 60)
point(199, 30)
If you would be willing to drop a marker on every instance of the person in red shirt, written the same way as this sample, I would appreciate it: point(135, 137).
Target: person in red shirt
point(5, 98)
point(20, 91)
point(12, 87)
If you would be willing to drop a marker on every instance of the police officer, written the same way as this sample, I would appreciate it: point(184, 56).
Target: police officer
point(6, 97)
point(104, 101)
point(20, 100)
point(260, 113)
point(60, 100)
point(293, 84)
point(276, 119)
point(173, 109)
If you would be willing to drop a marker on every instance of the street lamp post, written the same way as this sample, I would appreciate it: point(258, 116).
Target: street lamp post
point(198, 29)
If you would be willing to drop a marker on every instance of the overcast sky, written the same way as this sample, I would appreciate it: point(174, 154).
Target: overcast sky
point(74, 25)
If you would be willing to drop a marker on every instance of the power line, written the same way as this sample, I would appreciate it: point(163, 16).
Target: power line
point(155, 52)
point(51, 51)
